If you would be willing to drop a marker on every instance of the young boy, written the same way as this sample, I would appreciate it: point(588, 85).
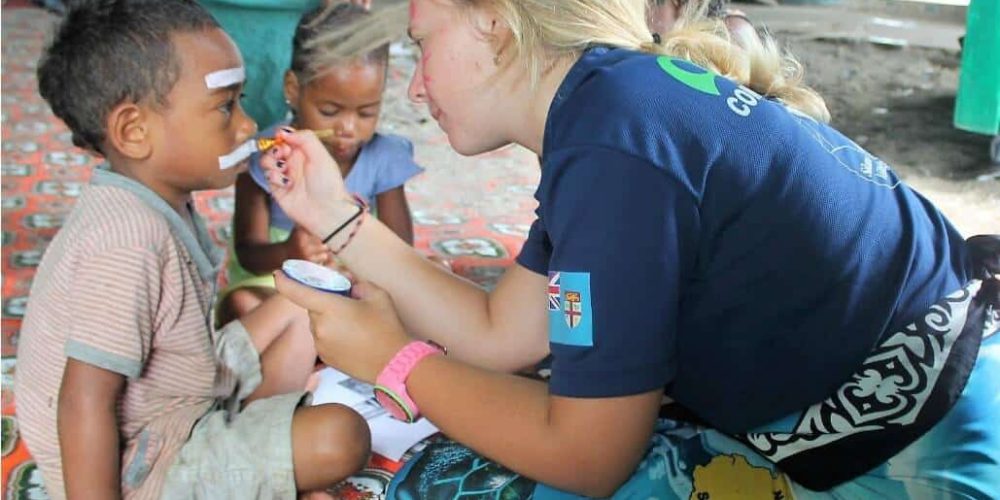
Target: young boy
point(120, 371)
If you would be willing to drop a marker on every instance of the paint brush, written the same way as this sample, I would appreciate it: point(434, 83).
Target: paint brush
point(259, 145)
point(265, 143)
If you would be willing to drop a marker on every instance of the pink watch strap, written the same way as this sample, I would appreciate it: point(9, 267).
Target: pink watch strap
point(392, 380)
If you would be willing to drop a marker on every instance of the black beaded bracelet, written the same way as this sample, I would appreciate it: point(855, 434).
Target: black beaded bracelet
point(361, 210)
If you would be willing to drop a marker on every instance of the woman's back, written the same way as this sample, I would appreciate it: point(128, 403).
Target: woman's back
point(790, 250)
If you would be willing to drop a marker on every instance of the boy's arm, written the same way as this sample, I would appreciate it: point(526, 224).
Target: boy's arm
point(87, 422)
point(394, 212)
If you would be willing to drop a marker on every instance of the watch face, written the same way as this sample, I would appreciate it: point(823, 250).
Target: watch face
point(389, 402)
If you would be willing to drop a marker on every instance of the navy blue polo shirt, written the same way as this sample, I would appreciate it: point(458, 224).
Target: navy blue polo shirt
point(704, 240)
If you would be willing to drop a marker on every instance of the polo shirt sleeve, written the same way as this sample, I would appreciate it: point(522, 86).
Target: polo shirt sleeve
point(114, 309)
point(619, 229)
point(535, 253)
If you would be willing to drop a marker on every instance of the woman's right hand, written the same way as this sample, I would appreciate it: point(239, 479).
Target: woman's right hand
point(306, 182)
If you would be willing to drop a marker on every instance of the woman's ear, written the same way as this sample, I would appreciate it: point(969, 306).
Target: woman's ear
point(291, 89)
point(495, 30)
point(129, 130)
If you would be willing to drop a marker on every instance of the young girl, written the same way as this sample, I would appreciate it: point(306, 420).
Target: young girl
point(832, 333)
point(325, 92)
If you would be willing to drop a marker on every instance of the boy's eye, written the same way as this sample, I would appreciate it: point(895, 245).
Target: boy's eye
point(227, 107)
point(230, 104)
point(328, 112)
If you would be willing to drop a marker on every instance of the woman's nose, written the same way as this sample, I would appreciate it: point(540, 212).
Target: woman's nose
point(416, 91)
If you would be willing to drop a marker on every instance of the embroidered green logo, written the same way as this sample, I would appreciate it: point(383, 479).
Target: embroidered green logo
point(701, 80)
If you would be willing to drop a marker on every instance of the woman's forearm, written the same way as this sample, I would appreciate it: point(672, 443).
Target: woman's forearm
point(433, 303)
point(587, 446)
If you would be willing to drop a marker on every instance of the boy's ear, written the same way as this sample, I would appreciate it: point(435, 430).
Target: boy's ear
point(129, 131)
point(291, 88)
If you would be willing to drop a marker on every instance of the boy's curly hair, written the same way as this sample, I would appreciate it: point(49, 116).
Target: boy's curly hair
point(109, 51)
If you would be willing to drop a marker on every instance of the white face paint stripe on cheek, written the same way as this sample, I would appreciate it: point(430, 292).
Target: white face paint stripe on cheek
point(239, 154)
point(225, 77)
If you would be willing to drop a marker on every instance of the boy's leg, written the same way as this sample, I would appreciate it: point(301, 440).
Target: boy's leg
point(241, 301)
point(329, 443)
point(279, 331)
point(274, 448)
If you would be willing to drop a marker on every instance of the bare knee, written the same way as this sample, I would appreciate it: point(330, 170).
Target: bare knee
point(348, 444)
point(332, 442)
point(241, 301)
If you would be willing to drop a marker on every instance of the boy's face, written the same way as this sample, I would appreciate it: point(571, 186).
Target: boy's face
point(203, 119)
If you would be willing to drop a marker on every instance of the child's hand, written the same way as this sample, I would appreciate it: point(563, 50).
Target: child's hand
point(302, 244)
point(356, 336)
point(306, 182)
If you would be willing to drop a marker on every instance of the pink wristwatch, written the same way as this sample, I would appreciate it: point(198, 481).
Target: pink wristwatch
point(390, 386)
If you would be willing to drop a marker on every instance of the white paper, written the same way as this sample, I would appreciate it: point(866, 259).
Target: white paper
point(390, 437)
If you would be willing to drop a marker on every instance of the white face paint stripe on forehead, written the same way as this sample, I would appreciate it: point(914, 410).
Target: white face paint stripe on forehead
point(225, 77)
point(239, 154)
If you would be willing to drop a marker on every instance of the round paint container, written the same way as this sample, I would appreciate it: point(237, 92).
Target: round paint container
point(317, 276)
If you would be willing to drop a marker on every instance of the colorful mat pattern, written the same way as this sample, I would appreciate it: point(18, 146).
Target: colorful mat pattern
point(475, 212)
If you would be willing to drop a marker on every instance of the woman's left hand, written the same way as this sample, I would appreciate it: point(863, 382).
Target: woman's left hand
point(358, 335)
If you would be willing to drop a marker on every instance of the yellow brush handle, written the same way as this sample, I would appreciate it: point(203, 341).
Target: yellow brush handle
point(265, 143)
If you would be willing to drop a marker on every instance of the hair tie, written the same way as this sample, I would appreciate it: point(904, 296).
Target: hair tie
point(656, 38)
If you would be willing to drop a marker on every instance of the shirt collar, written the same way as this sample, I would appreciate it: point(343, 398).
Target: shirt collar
point(206, 255)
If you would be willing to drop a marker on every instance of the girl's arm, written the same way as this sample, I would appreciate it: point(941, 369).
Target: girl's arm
point(251, 233)
point(87, 423)
point(394, 212)
point(251, 229)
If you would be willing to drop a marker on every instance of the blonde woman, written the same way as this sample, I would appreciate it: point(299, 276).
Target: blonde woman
point(701, 234)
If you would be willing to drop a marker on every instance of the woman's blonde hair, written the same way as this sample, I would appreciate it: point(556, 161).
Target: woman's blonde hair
point(544, 31)
point(343, 33)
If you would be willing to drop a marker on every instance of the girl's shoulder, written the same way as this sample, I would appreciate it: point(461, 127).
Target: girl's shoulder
point(385, 162)
point(389, 147)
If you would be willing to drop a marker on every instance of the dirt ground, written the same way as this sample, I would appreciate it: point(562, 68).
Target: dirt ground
point(898, 103)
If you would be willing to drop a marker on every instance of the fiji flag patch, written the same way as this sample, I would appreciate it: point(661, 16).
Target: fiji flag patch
point(571, 320)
